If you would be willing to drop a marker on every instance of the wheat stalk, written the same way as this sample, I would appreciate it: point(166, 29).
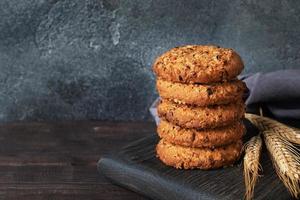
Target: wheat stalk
point(251, 164)
point(286, 159)
point(265, 123)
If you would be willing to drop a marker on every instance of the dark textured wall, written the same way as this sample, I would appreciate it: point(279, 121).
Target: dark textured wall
point(75, 59)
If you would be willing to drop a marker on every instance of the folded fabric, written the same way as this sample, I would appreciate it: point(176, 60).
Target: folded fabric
point(276, 93)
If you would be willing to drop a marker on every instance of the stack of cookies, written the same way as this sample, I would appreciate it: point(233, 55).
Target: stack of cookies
point(201, 107)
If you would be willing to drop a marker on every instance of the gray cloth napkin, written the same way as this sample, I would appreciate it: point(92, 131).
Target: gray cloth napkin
point(277, 93)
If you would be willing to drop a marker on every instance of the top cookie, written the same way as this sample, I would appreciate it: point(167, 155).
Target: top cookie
point(198, 64)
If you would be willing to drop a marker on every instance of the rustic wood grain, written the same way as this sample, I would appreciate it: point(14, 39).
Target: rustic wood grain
point(136, 167)
point(58, 160)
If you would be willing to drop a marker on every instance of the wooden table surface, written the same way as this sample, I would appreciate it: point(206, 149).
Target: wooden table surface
point(58, 160)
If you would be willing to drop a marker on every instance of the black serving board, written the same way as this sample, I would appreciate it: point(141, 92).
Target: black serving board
point(136, 167)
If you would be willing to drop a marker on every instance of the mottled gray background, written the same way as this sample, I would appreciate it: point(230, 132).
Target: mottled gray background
point(77, 60)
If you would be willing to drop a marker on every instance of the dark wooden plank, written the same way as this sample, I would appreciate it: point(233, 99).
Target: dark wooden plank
point(68, 192)
point(136, 167)
point(58, 160)
point(65, 191)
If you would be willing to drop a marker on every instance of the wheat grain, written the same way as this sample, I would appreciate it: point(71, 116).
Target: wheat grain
point(251, 164)
point(286, 159)
point(264, 123)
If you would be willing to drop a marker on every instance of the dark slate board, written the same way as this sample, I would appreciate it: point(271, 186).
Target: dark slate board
point(135, 167)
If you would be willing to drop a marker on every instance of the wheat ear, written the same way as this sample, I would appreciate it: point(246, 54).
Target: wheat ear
point(265, 123)
point(251, 164)
point(286, 159)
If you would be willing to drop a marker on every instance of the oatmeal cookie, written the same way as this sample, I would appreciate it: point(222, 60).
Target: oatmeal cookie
point(200, 117)
point(198, 64)
point(209, 138)
point(201, 95)
point(203, 158)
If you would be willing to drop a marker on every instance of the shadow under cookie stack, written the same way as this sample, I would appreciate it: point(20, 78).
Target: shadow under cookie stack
point(201, 107)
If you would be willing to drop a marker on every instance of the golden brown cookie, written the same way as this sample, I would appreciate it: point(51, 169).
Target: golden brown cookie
point(209, 138)
point(198, 64)
point(201, 95)
point(200, 117)
point(203, 158)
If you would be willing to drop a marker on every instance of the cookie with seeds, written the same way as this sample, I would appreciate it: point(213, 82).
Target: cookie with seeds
point(208, 138)
point(187, 116)
point(198, 64)
point(201, 94)
point(202, 158)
